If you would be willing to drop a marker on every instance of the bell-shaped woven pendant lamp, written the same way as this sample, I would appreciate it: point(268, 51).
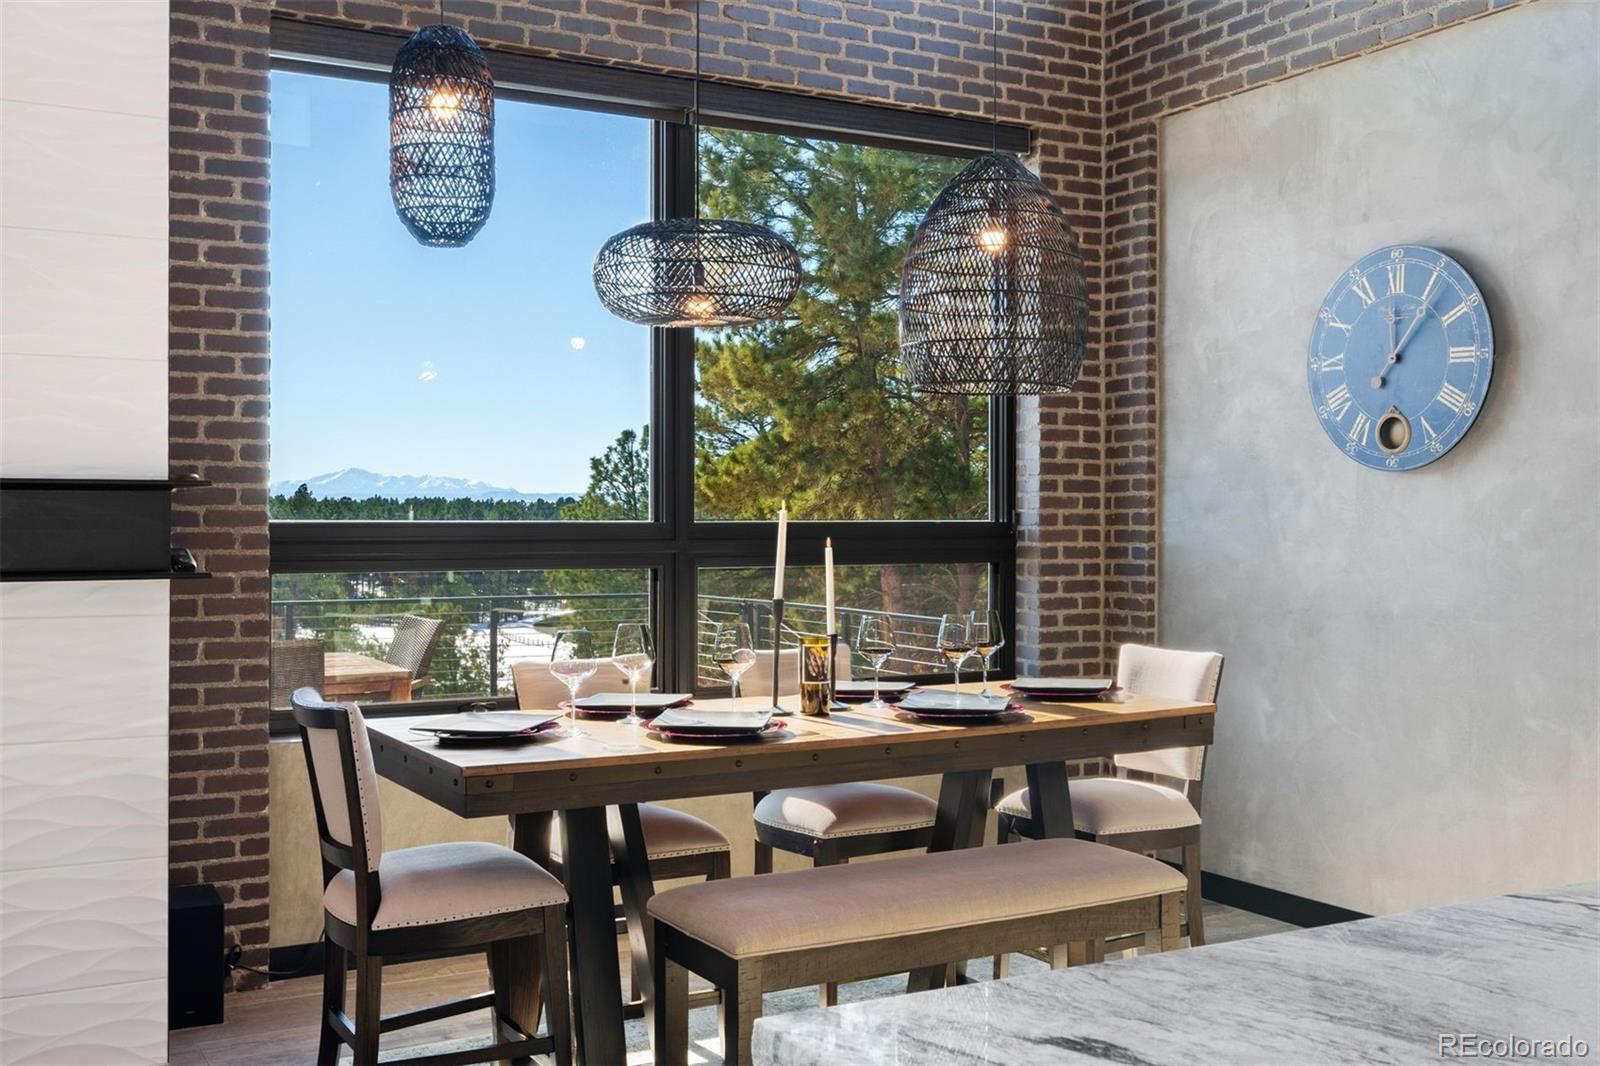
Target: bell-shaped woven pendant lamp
point(441, 136)
point(992, 292)
point(696, 271)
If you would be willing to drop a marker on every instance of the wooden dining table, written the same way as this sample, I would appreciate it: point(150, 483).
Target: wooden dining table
point(597, 782)
point(348, 673)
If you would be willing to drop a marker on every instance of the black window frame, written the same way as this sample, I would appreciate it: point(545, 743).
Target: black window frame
point(672, 546)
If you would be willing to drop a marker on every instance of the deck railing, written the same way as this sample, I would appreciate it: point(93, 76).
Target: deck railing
point(485, 634)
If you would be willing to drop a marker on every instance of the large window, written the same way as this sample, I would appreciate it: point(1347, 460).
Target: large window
point(426, 403)
point(815, 408)
point(413, 383)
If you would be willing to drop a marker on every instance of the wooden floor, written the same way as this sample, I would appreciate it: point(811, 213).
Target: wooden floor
point(277, 1025)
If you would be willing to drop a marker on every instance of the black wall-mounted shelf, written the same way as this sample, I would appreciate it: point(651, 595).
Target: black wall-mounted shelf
point(90, 529)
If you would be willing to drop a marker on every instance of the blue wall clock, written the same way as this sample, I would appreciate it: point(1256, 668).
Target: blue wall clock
point(1401, 356)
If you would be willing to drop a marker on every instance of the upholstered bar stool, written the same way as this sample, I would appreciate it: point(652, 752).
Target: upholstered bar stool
point(1159, 809)
point(677, 844)
point(443, 899)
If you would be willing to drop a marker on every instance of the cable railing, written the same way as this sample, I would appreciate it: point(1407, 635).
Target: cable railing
point(487, 634)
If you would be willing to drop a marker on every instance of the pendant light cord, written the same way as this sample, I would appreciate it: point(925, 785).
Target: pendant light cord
point(694, 111)
point(994, 75)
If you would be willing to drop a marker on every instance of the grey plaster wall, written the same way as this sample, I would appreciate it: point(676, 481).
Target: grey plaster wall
point(1409, 710)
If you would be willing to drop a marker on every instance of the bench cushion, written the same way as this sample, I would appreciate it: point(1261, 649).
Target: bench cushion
point(826, 905)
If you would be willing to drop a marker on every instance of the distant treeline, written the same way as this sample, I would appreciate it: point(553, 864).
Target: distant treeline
point(418, 508)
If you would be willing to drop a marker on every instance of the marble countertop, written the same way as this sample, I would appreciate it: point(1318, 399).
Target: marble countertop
point(1381, 990)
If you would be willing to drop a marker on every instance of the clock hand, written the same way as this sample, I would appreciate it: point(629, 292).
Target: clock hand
point(1394, 354)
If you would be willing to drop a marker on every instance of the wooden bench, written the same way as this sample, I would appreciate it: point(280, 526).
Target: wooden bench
point(752, 935)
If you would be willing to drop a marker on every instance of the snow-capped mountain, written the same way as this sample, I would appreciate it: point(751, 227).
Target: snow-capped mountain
point(360, 484)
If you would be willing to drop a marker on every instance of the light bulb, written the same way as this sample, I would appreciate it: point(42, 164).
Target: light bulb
point(993, 239)
point(699, 306)
point(444, 104)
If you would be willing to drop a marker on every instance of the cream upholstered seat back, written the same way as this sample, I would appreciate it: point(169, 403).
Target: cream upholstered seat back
point(1174, 675)
point(757, 680)
point(540, 690)
point(323, 727)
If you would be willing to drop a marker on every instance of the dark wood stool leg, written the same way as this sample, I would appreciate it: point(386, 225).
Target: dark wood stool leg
point(825, 853)
point(1193, 904)
point(557, 999)
point(763, 851)
point(369, 1009)
point(334, 964)
point(516, 974)
point(669, 1025)
point(741, 1006)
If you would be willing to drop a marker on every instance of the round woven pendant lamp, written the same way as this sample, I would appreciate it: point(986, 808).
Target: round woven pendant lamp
point(993, 298)
point(696, 271)
point(441, 136)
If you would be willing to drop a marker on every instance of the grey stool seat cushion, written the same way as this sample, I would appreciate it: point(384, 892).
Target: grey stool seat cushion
point(447, 882)
point(813, 908)
point(855, 809)
point(1106, 806)
point(668, 834)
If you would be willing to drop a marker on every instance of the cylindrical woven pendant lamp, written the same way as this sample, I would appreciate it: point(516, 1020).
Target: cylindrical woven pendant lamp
point(441, 136)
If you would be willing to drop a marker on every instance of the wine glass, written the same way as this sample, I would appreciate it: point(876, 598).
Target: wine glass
point(955, 642)
point(987, 638)
point(875, 642)
point(573, 662)
point(634, 652)
point(733, 651)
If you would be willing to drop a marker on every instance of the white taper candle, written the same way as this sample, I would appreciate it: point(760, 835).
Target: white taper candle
point(783, 551)
point(827, 582)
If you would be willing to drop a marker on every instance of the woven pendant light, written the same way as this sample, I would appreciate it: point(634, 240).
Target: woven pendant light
point(441, 136)
point(696, 271)
point(992, 292)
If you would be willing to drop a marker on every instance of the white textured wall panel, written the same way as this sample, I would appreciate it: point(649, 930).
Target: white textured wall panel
point(84, 171)
point(70, 417)
point(68, 927)
point(95, 54)
point(83, 393)
point(84, 294)
point(124, 1023)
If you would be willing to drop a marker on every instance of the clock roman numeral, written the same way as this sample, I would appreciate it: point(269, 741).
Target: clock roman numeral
point(1397, 277)
point(1358, 429)
point(1451, 397)
point(1428, 289)
point(1467, 354)
point(1453, 314)
point(1363, 289)
point(1332, 363)
point(1339, 401)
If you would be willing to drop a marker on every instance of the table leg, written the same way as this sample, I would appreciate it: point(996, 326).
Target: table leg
point(530, 836)
point(963, 805)
point(597, 995)
point(1050, 799)
point(632, 865)
point(400, 690)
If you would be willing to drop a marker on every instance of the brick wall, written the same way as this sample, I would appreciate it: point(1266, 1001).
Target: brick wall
point(218, 409)
point(1161, 57)
point(898, 52)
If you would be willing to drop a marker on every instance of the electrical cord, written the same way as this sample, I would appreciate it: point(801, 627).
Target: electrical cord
point(305, 969)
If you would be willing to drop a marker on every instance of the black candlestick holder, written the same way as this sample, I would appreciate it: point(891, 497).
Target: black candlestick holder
point(777, 648)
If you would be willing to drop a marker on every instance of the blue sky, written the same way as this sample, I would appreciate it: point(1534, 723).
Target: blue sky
point(449, 361)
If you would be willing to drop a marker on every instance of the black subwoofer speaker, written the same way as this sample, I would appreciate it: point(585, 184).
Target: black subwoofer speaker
point(196, 966)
